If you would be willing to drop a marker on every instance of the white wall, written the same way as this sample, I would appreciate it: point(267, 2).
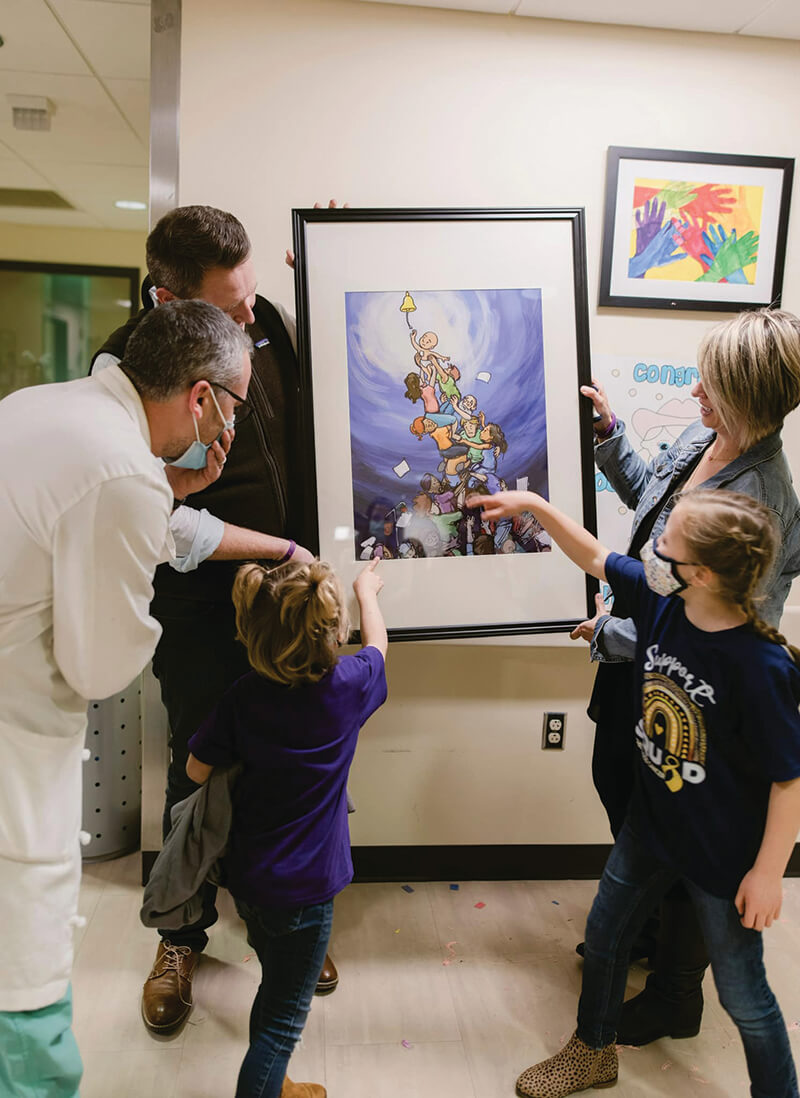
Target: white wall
point(285, 102)
point(46, 244)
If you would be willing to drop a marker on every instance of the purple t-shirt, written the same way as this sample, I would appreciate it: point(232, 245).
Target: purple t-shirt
point(290, 842)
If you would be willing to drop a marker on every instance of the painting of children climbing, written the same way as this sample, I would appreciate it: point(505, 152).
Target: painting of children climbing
point(694, 230)
point(446, 397)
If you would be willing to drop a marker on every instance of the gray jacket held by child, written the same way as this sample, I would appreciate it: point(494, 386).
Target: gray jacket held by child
point(192, 853)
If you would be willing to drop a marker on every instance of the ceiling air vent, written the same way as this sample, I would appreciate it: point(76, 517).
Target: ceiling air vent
point(39, 200)
point(31, 112)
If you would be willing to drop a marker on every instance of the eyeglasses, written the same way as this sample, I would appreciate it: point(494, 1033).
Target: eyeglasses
point(242, 409)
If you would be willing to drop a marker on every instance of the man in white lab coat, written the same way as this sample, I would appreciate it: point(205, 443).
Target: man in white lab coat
point(84, 514)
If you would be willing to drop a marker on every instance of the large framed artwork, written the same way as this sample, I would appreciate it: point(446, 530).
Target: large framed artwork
point(688, 230)
point(442, 352)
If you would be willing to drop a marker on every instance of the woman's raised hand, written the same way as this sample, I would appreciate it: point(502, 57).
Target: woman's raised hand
point(597, 394)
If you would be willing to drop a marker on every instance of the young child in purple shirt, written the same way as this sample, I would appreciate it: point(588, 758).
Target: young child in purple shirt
point(293, 722)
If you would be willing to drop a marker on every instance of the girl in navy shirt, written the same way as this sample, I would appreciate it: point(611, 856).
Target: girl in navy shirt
point(717, 800)
point(293, 723)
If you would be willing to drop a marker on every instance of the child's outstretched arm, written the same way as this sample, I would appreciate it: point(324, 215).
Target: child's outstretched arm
point(367, 585)
point(579, 545)
point(760, 894)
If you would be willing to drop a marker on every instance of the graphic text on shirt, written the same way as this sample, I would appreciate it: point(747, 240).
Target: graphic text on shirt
point(672, 733)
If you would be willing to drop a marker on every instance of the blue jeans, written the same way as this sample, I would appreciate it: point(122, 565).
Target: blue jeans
point(632, 883)
point(38, 1054)
point(291, 944)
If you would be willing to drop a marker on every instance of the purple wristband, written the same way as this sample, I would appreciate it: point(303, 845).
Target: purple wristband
point(289, 552)
point(600, 435)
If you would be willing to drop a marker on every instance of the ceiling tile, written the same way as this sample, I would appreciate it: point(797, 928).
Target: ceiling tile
point(67, 219)
point(95, 188)
point(115, 38)
point(497, 7)
point(15, 173)
point(780, 20)
point(725, 16)
point(133, 97)
point(34, 41)
point(86, 126)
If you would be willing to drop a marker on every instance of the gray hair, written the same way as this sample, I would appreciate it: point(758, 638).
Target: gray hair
point(182, 342)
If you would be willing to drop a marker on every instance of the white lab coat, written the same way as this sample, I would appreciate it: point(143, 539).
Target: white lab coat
point(84, 515)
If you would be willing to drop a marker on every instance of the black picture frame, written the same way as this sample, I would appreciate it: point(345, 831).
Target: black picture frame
point(317, 386)
point(618, 289)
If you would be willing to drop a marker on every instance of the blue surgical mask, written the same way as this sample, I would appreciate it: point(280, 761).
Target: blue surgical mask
point(196, 455)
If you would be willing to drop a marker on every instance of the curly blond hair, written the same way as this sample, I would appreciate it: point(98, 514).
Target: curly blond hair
point(292, 619)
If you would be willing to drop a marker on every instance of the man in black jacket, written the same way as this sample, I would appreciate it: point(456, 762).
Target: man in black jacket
point(254, 510)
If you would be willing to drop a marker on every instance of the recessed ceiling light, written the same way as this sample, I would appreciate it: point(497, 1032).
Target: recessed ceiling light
point(126, 204)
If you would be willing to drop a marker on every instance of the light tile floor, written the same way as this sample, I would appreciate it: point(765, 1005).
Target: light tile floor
point(402, 1022)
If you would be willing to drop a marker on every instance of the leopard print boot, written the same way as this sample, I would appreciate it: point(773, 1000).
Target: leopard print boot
point(577, 1067)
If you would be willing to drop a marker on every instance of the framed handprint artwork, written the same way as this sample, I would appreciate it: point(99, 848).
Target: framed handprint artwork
point(441, 353)
point(687, 230)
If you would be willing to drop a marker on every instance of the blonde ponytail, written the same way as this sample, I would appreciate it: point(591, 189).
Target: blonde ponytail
point(768, 632)
point(737, 539)
point(292, 619)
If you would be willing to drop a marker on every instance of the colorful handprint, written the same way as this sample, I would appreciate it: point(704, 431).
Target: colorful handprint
point(662, 249)
point(728, 255)
point(713, 225)
point(710, 200)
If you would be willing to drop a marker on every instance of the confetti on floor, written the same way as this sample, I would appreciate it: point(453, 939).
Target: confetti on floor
point(556, 902)
point(407, 888)
point(406, 1044)
point(449, 960)
point(480, 903)
point(454, 888)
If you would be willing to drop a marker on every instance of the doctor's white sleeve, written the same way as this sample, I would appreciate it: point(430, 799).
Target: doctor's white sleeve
point(105, 552)
point(197, 534)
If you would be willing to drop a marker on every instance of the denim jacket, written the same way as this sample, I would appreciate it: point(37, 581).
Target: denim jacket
point(761, 472)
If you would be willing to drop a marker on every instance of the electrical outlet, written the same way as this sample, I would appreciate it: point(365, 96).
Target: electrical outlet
point(554, 731)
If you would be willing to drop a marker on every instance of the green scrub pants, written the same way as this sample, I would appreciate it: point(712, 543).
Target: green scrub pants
point(38, 1054)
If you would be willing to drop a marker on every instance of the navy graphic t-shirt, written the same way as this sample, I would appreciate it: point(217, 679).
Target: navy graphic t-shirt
point(717, 724)
point(290, 841)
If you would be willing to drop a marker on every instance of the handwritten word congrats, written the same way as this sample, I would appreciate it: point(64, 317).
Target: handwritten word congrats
point(665, 375)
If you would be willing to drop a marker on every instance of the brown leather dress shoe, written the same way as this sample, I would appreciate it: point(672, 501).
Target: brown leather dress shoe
point(167, 991)
point(302, 1090)
point(328, 978)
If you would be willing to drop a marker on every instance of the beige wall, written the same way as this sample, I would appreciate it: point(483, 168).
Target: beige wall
point(288, 101)
point(102, 247)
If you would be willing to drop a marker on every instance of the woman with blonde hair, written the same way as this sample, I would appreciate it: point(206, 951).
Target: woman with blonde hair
point(293, 723)
point(749, 370)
